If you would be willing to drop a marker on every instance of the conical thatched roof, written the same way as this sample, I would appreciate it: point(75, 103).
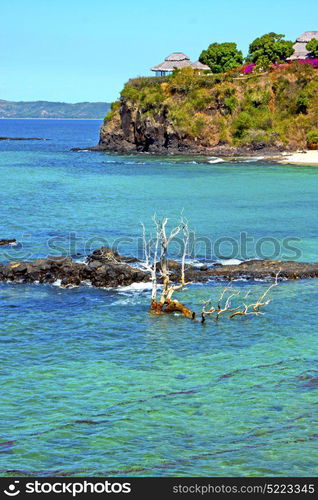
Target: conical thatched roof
point(199, 65)
point(174, 60)
point(300, 51)
point(307, 36)
point(177, 56)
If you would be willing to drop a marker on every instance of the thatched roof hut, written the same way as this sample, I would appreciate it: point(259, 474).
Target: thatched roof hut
point(199, 66)
point(177, 60)
point(171, 62)
point(300, 51)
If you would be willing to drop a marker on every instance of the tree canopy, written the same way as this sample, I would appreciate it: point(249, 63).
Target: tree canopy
point(270, 48)
point(312, 46)
point(222, 57)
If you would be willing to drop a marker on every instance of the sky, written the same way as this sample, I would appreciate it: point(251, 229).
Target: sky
point(85, 50)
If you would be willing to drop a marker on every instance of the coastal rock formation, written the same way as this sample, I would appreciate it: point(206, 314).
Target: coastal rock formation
point(22, 139)
point(103, 271)
point(248, 270)
point(106, 268)
point(7, 242)
point(220, 115)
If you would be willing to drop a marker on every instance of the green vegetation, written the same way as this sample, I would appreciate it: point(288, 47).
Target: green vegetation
point(268, 49)
point(114, 109)
point(312, 46)
point(221, 57)
point(312, 137)
point(274, 109)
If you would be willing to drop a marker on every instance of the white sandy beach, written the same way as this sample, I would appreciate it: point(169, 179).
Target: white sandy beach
point(300, 158)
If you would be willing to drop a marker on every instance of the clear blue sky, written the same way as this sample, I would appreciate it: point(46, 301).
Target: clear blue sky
point(84, 50)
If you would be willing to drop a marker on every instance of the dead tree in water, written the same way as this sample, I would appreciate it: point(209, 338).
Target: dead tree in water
point(260, 302)
point(156, 262)
point(243, 310)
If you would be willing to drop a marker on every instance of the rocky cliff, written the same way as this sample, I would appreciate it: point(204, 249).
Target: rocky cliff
point(187, 112)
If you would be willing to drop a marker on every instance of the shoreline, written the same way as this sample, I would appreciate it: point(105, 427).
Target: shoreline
point(304, 157)
point(283, 157)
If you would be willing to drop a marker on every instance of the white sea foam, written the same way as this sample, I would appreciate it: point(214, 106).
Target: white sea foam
point(251, 159)
point(81, 260)
point(215, 160)
point(57, 283)
point(229, 262)
point(86, 283)
point(135, 287)
point(198, 263)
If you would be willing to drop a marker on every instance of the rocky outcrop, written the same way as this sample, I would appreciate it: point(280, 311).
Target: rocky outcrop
point(134, 132)
point(219, 115)
point(22, 139)
point(102, 270)
point(106, 268)
point(7, 242)
point(260, 269)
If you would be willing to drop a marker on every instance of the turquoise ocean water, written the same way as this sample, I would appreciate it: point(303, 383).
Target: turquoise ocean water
point(91, 384)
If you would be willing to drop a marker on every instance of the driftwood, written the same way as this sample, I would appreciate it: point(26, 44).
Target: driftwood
point(156, 251)
point(157, 264)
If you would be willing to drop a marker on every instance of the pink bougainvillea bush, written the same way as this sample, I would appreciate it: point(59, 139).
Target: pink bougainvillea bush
point(248, 69)
point(312, 62)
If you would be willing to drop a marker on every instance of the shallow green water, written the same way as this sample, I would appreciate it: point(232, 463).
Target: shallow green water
point(90, 382)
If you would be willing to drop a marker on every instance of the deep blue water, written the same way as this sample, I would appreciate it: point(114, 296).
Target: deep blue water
point(90, 381)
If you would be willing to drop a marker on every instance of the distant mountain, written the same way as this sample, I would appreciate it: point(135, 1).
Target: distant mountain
point(46, 109)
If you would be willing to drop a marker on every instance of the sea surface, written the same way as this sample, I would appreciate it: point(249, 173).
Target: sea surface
point(91, 384)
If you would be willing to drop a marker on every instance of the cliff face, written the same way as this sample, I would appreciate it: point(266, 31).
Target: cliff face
point(131, 131)
point(187, 112)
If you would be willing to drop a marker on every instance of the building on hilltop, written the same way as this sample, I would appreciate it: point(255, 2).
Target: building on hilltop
point(199, 66)
point(300, 51)
point(177, 60)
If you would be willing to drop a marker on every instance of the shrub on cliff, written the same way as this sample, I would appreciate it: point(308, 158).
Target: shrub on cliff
point(312, 137)
point(242, 123)
point(151, 98)
point(130, 93)
point(222, 57)
point(257, 97)
point(114, 108)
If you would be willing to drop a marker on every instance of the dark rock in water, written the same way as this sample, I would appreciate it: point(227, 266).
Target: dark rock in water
point(204, 268)
point(173, 265)
point(253, 269)
point(7, 242)
point(102, 270)
point(107, 254)
point(106, 268)
point(263, 269)
point(22, 139)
